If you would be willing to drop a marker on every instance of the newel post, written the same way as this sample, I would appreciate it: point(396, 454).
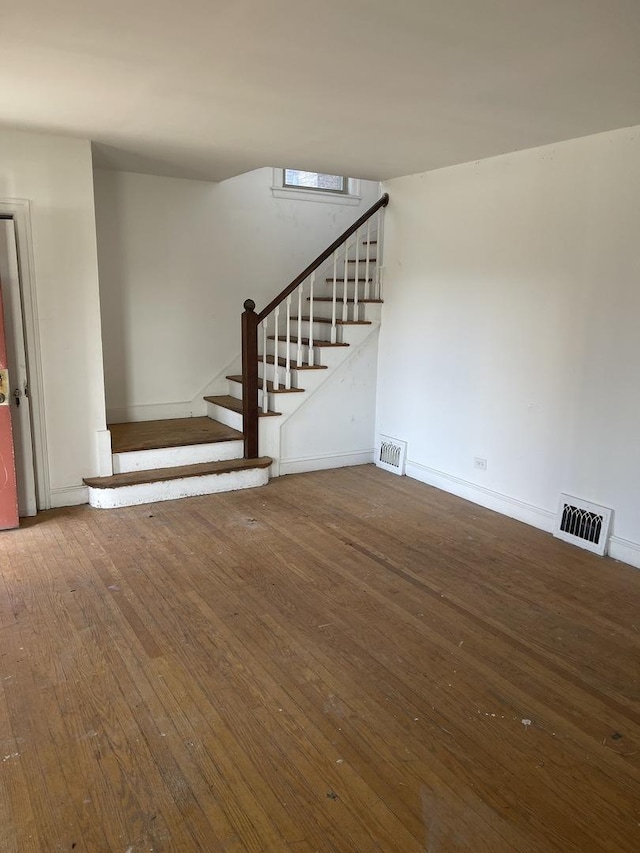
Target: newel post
point(250, 379)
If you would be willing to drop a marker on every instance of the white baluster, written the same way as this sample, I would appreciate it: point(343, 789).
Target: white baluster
point(379, 256)
point(287, 371)
point(265, 399)
point(313, 278)
point(334, 335)
point(345, 294)
point(299, 350)
point(357, 278)
point(366, 264)
point(276, 366)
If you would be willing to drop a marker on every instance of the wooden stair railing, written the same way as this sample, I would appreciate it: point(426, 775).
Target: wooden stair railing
point(339, 252)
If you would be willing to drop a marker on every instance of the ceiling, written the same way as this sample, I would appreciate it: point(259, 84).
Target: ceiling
point(369, 88)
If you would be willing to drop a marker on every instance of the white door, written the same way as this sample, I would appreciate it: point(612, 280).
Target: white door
point(17, 360)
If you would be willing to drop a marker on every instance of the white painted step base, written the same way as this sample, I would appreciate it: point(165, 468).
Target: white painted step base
point(166, 457)
point(185, 487)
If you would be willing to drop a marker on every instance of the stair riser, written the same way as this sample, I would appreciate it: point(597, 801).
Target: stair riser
point(280, 348)
point(308, 379)
point(326, 270)
point(348, 335)
point(283, 403)
point(362, 311)
point(322, 309)
point(169, 490)
point(235, 389)
point(298, 377)
point(321, 331)
point(326, 289)
point(172, 457)
point(275, 399)
point(225, 416)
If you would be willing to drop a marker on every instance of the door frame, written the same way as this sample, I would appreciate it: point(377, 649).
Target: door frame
point(20, 211)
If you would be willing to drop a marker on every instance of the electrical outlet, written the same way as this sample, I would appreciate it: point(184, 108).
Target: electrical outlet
point(480, 464)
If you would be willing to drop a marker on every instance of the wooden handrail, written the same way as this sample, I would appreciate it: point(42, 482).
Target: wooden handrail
point(383, 201)
point(250, 322)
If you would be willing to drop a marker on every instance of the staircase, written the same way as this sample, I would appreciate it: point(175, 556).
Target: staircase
point(290, 350)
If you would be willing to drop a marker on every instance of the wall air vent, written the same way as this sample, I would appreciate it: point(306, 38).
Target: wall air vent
point(583, 524)
point(391, 454)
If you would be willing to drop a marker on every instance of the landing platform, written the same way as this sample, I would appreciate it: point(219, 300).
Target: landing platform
point(177, 432)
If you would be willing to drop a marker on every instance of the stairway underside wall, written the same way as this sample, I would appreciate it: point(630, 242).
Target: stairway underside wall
point(335, 425)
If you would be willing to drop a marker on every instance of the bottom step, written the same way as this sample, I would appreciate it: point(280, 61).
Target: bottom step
point(168, 484)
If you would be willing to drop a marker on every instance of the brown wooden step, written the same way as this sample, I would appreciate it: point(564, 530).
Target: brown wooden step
point(305, 341)
point(361, 261)
point(177, 432)
point(282, 362)
point(338, 322)
point(136, 478)
point(349, 301)
point(235, 405)
point(371, 242)
point(270, 387)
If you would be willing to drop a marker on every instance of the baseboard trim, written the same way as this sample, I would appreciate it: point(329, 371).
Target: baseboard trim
point(326, 460)
point(154, 412)
point(68, 496)
point(520, 510)
point(618, 548)
point(624, 550)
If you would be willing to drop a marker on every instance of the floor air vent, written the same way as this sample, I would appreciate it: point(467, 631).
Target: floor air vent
point(391, 454)
point(583, 524)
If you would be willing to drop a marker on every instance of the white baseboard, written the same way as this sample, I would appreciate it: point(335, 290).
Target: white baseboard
point(534, 515)
point(618, 548)
point(624, 550)
point(156, 412)
point(325, 461)
point(68, 496)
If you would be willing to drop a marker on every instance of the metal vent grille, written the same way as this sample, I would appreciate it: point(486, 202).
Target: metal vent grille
point(583, 523)
point(391, 454)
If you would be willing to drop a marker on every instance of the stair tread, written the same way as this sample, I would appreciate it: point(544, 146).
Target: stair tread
point(371, 242)
point(136, 478)
point(349, 301)
point(338, 322)
point(175, 432)
point(361, 260)
point(229, 402)
point(270, 387)
point(282, 362)
point(305, 341)
point(349, 280)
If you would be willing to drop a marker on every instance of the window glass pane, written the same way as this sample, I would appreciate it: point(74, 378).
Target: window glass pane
point(313, 180)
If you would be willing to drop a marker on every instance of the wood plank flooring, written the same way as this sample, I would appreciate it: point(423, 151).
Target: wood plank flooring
point(339, 661)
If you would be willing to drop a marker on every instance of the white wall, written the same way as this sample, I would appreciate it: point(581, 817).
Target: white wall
point(177, 260)
point(510, 329)
point(55, 175)
point(335, 425)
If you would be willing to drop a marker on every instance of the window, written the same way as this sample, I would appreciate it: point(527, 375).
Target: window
point(298, 185)
point(315, 181)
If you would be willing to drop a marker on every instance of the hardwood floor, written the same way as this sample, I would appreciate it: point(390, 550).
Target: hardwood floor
point(340, 661)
